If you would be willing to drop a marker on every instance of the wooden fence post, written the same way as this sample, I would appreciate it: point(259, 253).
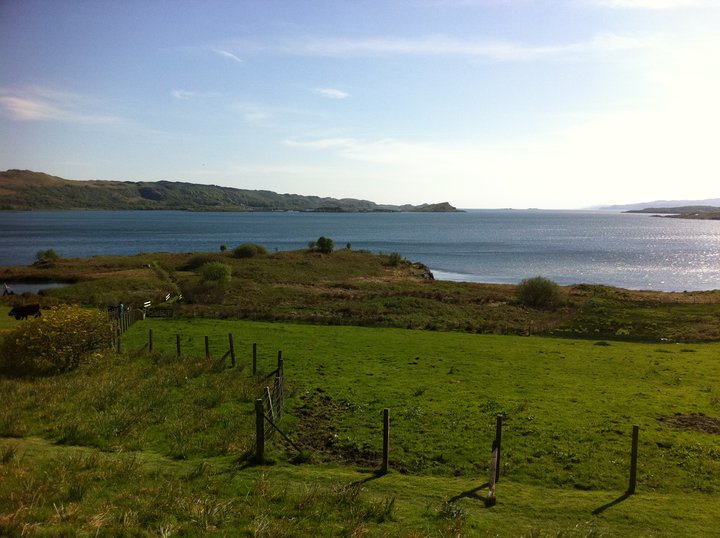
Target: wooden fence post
point(498, 445)
point(177, 344)
point(259, 431)
point(150, 340)
point(386, 441)
point(254, 359)
point(232, 350)
point(119, 346)
point(633, 459)
point(207, 347)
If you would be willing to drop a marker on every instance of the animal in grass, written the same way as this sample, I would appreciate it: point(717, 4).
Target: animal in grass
point(23, 311)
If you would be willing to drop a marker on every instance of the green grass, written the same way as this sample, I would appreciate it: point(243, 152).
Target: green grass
point(155, 445)
point(82, 492)
point(568, 405)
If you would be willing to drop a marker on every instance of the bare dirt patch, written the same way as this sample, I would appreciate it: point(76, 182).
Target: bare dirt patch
point(694, 421)
point(317, 429)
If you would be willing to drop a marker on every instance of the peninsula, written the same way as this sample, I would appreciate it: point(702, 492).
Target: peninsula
point(25, 190)
point(702, 212)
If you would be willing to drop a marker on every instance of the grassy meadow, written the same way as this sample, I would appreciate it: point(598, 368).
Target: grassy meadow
point(187, 423)
point(152, 444)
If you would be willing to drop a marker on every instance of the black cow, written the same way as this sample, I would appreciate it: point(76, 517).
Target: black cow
point(23, 311)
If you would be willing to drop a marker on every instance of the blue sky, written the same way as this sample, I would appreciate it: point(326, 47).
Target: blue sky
point(482, 103)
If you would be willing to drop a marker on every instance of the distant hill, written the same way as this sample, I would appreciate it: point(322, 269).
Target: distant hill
point(665, 204)
point(27, 190)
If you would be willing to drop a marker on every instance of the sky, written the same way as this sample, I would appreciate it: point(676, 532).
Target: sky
point(480, 103)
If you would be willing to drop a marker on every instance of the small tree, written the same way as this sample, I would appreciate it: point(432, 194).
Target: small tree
point(539, 292)
point(325, 244)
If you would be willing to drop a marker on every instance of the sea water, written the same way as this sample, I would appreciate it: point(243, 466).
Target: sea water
point(633, 251)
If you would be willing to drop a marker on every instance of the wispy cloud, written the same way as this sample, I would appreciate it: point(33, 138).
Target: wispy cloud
point(41, 104)
point(227, 54)
point(443, 45)
point(332, 93)
point(183, 95)
point(253, 113)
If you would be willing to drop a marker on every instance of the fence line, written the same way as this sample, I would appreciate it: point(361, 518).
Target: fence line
point(272, 400)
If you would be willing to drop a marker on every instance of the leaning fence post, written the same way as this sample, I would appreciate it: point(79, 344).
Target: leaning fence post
point(279, 384)
point(232, 350)
point(498, 443)
point(633, 459)
point(207, 347)
point(259, 431)
point(150, 340)
point(254, 359)
point(268, 396)
point(386, 441)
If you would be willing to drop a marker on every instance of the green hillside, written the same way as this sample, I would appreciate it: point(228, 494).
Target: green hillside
point(27, 190)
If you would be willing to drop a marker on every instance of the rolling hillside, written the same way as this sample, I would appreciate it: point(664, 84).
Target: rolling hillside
point(27, 190)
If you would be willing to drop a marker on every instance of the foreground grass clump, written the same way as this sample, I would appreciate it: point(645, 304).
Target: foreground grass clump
point(56, 342)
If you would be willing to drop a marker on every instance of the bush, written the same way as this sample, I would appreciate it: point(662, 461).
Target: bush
point(395, 259)
point(325, 244)
point(57, 342)
point(249, 250)
point(216, 272)
point(197, 261)
point(46, 257)
point(539, 292)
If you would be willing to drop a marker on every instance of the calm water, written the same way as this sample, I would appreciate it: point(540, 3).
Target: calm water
point(630, 251)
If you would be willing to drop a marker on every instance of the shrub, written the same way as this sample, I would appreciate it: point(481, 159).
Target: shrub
point(325, 244)
point(57, 342)
point(197, 261)
point(216, 272)
point(46, 257)
point(249, 250)
point(539, 292)
point(395, 259)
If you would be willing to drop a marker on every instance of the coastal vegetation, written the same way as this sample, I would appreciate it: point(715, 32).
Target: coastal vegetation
point(159, 443)
point(354, 287)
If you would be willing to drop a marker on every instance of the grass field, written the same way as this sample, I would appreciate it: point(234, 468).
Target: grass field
point(156, 445)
